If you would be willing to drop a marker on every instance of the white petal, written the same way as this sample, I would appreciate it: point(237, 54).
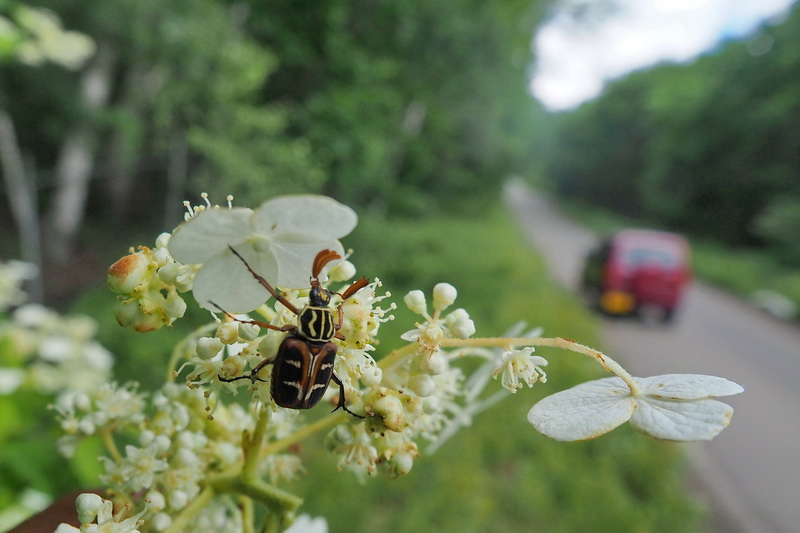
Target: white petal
point(295, 253)
point(209, 233)
point(225, 281)
point(687, 386)
point(318, 215)
point(583, 412)
point(681, 420)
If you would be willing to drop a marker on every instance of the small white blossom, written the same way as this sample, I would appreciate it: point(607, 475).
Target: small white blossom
point(279, 240)
point(520, 365)
point(97, 516)
point(671, 407)
point(444, 295)
point(208, 347)
point(12, 274)
point(415, 300)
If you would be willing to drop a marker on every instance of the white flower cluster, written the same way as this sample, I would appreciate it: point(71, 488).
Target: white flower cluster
point(12, 274)
point(176, 448)
point(50, 353)
point(148, 283)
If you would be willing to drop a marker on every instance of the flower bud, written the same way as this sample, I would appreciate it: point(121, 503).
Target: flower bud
point(155, 501)
point(88, 505)
point(178, 499)
point(82, 401)
point(401, 463)
point(422, 385)
point(434, 363)
point(460, 324)
point(161, 521)
point(415, 300)
point(208, 347)
point(371, 377)
point(342, 272)
point(162, 241)
point(249, 332)
point(228, 332)
point(389, 406)
point(130, 315)
point(128, 272)
point(444, 295)
point(174, 306)
point(161, 257)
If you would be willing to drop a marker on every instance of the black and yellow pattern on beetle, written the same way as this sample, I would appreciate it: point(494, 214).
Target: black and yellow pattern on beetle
point(316, 324)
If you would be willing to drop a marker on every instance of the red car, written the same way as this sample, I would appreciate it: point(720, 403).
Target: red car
point(638, 271)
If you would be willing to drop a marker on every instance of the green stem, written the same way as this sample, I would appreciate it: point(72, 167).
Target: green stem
point(107, 435)
point(397, 355)
point(302, 433)
point(248, 515)
point(283, 505)
point(253, 443)
point(555, 342)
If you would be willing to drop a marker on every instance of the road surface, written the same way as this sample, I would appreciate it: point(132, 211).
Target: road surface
point(751, 471)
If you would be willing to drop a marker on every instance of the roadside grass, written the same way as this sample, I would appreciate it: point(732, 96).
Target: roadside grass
point(740, 270)
point(498, 474)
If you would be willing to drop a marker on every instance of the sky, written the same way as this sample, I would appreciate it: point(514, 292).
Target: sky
point(576, 58)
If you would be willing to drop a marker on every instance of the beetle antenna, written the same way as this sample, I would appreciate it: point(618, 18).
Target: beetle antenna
point(323, 258)
point(264, 283)
point(354, 288)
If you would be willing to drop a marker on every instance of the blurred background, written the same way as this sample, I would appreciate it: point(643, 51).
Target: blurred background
point(680, 116)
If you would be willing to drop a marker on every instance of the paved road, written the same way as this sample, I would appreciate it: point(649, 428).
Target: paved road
point(752, 469)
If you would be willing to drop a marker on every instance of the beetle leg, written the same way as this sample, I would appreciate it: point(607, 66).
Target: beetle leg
point(341, 404)
point(267, 325)
point(253, 375)
point(338, 325)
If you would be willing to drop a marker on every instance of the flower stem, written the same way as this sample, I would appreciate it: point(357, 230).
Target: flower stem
point(554, 342)
point(107, 435)
point(396, 356)
point(305, 431)
point(253, 444)
point(283, 505)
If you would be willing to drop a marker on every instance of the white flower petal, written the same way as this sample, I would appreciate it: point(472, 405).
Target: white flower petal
point(306, 213)
point(225, 280)
point(209, 233)
point(688, 386)
point(583, 412)
point(681, 420)
point(295, 253)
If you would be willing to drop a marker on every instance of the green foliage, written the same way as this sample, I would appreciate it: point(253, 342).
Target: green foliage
point(704, 147)
point(405, 98)
point(405, 106)
point(779, 225)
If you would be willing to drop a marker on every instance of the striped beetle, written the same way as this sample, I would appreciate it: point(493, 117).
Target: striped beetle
point(303, 367)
